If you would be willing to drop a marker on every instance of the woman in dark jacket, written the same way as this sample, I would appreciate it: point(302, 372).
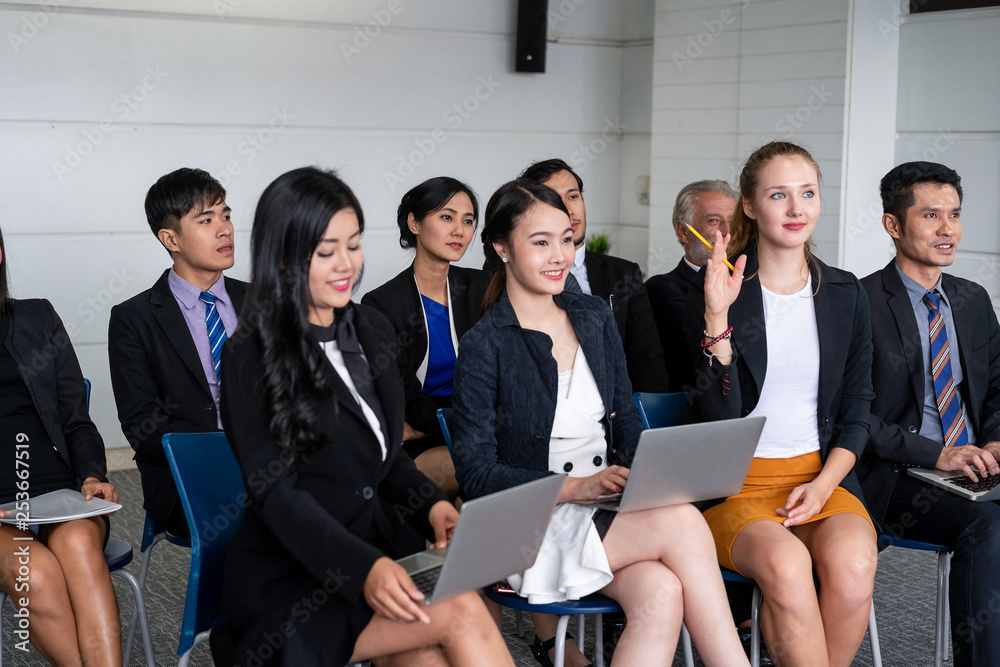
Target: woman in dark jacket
point(792, 342)
point(315, 423)
point(49, 443)
point(541, 387)
point(431, 305)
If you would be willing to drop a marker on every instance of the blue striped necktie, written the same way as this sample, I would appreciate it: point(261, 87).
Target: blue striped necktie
point(949, 405)
point(216, 329)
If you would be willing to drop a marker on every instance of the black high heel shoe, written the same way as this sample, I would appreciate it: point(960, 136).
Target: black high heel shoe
point(540, 649)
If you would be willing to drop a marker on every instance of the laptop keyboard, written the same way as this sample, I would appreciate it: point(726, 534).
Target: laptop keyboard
point(426, 580)
point(984, 484)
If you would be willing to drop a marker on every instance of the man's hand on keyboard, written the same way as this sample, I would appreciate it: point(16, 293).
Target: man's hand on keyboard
point(971, 460)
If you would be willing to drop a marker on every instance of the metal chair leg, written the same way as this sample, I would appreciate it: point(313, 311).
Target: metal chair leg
point(580, 630)
point(561, 628)
point(143, 569)
point(599, 640)
point(941, 643)
point(140, 609)
point(873, 638)
point(519, 620)
point(686, 645)
point(755, 627)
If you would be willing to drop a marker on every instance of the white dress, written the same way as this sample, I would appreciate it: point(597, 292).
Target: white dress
point(571, 562)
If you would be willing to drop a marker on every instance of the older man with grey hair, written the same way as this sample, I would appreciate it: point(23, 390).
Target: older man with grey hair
point(707, 206)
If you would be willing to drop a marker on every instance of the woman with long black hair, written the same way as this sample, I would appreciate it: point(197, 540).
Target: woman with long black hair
point(315, 418)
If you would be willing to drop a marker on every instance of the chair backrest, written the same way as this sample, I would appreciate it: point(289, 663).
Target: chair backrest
point(445, 417)
point(211, 490)
point(86, 383)
point(660, 410)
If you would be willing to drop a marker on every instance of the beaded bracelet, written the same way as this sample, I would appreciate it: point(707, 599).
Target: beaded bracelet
point(728, 333)
point(711, 356)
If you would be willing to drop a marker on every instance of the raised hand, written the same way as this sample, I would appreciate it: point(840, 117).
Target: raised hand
point(721, 287)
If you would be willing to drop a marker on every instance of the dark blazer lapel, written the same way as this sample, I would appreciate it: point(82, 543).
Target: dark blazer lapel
point(462, 299)
point(906, 325)
point(598, 275)
point(966, 328)
point(746, 316)
point(586, 325)
point(834, 306)
point(168, 316)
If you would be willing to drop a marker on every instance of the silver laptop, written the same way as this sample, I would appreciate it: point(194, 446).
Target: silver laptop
point(496, 536)
point(986, 489)
point(685, 464)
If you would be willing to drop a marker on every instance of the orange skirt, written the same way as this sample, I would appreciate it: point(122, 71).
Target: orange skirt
point(768, 483)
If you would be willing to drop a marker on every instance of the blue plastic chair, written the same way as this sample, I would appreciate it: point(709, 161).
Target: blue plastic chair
point(944, 553)
point(659, 410)
point(211, 490)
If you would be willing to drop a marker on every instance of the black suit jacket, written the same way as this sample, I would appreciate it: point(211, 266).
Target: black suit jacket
point(898, 376)
point(668, 297)
point(399, 300)
point(845, 346)
point(41, 347)
point(315, 519)
point(619, 283)
point(159, 383)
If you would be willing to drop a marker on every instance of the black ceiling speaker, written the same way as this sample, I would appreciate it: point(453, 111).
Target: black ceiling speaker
point(532, 31)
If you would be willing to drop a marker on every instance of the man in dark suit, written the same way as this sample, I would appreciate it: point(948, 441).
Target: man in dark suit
point(917, 311)
point(617, 282)
point(707, 206)
point(164, 343)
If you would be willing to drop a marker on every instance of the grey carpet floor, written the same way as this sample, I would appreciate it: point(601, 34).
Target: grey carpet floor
point(904, 600)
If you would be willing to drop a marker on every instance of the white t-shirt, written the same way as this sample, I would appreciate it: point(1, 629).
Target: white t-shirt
point(791, 384)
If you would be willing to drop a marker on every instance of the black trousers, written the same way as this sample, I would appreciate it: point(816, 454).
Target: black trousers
point(920, 511)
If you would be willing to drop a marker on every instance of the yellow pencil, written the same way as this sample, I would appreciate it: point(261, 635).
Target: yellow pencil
point(702, 239)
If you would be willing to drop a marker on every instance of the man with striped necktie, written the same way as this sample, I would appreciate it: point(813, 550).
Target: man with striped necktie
point(936, 375)
point(164, 344)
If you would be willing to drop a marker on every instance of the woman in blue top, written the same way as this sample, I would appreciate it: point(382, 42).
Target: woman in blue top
point(431, 305)
point(541, 387)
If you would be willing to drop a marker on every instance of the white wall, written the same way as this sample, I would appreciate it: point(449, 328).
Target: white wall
point(949, 112)
point(731, 75)
point(100, 98)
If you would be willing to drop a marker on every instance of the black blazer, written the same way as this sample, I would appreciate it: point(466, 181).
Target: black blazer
point(619, 283)
point(399, 300)
point(42, 349)
point(316, 519)
point(898, 376)
point(159, 383)
point(506, 382)
point(668, 297)
point(845, 346)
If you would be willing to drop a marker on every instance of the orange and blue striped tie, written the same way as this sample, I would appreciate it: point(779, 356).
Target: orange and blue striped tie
point(216, 329)
point(949, 405)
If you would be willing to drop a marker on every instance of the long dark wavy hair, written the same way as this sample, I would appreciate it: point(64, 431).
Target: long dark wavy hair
point(292, 215)
point(503, 212)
